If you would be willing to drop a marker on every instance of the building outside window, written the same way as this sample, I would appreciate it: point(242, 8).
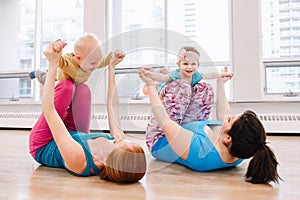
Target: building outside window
point(281, 46)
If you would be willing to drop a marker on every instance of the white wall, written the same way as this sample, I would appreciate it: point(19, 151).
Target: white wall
point(246, 54)
point(246, 62)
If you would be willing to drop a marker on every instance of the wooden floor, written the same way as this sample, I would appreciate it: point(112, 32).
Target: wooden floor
point(22, 178)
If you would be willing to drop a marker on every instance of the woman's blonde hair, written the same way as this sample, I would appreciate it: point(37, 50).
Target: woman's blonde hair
point(125, 165)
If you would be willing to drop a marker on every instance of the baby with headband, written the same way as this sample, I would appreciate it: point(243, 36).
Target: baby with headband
point(185, 98)
point(188, 64)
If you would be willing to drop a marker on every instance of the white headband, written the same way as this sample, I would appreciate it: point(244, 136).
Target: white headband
point(189, 56)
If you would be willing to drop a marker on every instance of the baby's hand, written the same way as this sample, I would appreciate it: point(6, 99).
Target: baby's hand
point(226, 75)
point(119, 54)
point(58, 45)
point(144, 75)
point(118, 138)
point(147, 71)
point(117, 57)
point(225, 79)
point(51, 54)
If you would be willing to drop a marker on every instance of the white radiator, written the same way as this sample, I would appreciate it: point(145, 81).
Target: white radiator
point(274, 123)
point(134, 123)
point(281, 123)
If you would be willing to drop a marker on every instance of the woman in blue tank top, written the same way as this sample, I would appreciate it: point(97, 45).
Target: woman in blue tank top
point(209, 145)
point(113, 158)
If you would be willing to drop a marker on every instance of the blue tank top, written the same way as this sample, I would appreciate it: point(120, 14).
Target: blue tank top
point(49, 154)
point(174, 75)
point(203, 156)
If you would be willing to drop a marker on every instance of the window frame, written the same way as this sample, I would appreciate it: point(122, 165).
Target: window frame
point(127, 69)
point(280, 63)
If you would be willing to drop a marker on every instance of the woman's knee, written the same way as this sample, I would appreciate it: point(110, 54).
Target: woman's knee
point(66, 87)
point(203, 96)
point(203, 86)
point(177, 87)
point(176, 97)
point(203, 89)
point(82, 96)
point(180, 83)
point(83, 89)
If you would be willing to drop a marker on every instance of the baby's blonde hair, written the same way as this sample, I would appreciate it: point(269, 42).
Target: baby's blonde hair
point(85, 44)
point(190, 54)
point(189, 48)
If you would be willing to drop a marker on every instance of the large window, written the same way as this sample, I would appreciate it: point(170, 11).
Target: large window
point(29, 26)
point(151, 33)
point(66, 23)
point(17, 47)
point(281, 46)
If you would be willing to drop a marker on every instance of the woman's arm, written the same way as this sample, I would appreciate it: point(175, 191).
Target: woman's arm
point(156, 76)
point(222, 105)
point(211, 76)
point(178, 137)
point(113, 101)
point(217, 75)
point(70, 150)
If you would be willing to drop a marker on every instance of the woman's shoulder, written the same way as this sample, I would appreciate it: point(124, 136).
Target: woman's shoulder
point(197, 127)
point(87, 136)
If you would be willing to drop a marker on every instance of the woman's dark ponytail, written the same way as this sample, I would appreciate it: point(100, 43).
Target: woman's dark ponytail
point(249, 140)
point(263, 166)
